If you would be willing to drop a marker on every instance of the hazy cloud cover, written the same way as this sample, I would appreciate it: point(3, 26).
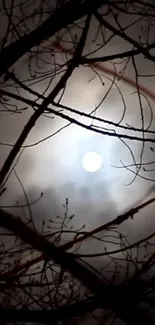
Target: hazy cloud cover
point(54, 166)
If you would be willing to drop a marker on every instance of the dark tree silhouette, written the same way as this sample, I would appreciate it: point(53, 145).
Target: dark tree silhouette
point(44, 277)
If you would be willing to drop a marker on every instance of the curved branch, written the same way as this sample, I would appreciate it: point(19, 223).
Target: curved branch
point(62, 17)
point(124, 37)
point(66, 260)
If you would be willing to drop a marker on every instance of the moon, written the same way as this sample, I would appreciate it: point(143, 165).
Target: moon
point(91, 162)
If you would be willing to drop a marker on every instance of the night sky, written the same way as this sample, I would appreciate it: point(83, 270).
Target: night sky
point(54, 165)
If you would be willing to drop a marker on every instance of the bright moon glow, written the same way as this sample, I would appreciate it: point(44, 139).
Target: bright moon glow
point(91, 162)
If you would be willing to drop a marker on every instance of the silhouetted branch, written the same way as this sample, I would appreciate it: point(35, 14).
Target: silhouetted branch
point(62, 17)
point(38, 242)
point(46, 316)
point(72, 64)
point(124, 37)
point(126, 54)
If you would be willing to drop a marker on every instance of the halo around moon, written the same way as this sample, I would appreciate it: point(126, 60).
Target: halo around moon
point(91, 162)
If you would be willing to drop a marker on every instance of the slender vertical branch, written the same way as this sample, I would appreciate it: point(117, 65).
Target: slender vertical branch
point(72, 64)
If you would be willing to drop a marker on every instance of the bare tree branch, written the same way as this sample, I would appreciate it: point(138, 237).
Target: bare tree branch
point(124, 36)
point(60, 85)
point(38, 242)
point(62, 17)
